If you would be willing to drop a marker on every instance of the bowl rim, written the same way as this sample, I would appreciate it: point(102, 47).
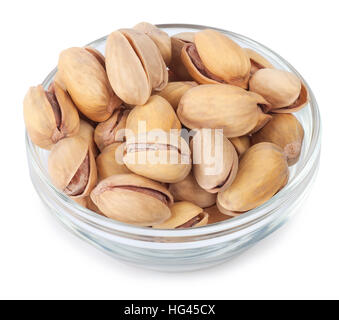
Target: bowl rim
point(231, 225)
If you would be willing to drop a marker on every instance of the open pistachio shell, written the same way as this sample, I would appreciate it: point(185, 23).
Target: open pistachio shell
point(110, 161)
point(112, 129)
point(133, 199)
point(72, 168)
point(286, 131)
point(262, 172)
point(86, 131)
point(92, 95)
point(257, 61)
point(241, 144)
point(215, 161)
point(160, 156)
point(202, 107)
point(49, 116)
point(214, 215)
point(98, 55)
point(160, 38)
point(189, 190)
point(184, 215)
point(263, 119)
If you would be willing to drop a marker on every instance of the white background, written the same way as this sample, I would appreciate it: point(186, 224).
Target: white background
point(40, 259)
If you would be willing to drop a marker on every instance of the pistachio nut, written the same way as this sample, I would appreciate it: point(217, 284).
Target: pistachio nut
point(286, 131)
point(263, 119)
point(215, 161)
point(189, 190)
point(262, 172)
point(71, 166)
point(134, 66)
point(174, 91)
point(98, 55)
point(214, 215)
point(49, 115)
point(112, 129)
point(257, 61)
point(176, 66)
point(223, 106)
point(92, 95)
point(215, 58)
point(161, 156)
point(284, 91)
point(184, 215)
point(159, 37)
point(241, 144)
point(86, 131)
point(110, 161)
point(133, 199)
point(156, 114)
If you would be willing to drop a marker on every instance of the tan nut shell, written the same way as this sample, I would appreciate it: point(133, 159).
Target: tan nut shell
point(111, 130)
point(174, 91)
point(189, 190)
point(87, 83)
point(110, 161)
point(215, 161)
point(222, 57)
point(183, 212)
point(166, 157)
point(86, 131)
point(257, 61)
point(160, 38)
point(64, 161)
point(214, 215)
point(286, 131)
point(241, 144)
point(202, 107)
point(40, 119)
point(98, 55)
point(263, 119)
point(262, 172)
point(137, 205)
point(283, 90)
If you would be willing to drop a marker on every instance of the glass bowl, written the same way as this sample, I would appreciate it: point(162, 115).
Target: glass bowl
point(197, 248)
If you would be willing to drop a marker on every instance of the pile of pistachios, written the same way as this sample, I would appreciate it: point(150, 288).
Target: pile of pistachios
point(168, 132)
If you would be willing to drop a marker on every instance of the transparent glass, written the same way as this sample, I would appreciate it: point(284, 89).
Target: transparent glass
point(191, 249)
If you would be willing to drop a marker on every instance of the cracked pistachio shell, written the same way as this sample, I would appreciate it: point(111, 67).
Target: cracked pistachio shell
point(214, 215)
point(112, 129)
point(134, 66)
point(110, 161)
point(71, 166)
point(189, 190)
point(87, 83)
point(257, 61)
point(262, 172)
point(161, 156)
point(133, 199)
point(159, 37)
point(285, 131)
point(184, 215)
point(202, 107)
point(49, 116)
point(174, 91)
point(263, 119)
point(241, 144)
point(98, 55)
point(86, 131)
point(217, 59)
point(284, 91)
point(215, 161)
point(156, 114)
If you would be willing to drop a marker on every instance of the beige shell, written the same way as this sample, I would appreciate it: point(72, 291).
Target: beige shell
point(215, 216)
point(262, 172)
point(161, 156)
point(98, 55)
point(174, 91)
point(257, 61)
point(202, 107)
point(286, 131)
point(215, 161)
point(86, 131)
point(71, 166)
point(263, 119)
point(215, 58)
point(110, 161)
point(87, 83)
point(133, 199)
point(49, 116)
point(241, 144)
point(283, 90)
point(160, 38)
point(184, 215)
point(156, 114)
point(189, 190)
point(134, 66)
point(112, 129)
